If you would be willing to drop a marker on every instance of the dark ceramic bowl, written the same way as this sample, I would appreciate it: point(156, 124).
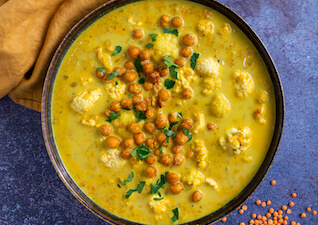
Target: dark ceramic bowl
point(48, 132)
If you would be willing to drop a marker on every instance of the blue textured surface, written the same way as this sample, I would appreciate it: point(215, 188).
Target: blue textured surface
point(32, 193)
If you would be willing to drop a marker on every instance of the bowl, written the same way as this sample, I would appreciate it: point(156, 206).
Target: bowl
point(48, 131)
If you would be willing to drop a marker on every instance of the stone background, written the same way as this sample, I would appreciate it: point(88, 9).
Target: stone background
point(32, 193)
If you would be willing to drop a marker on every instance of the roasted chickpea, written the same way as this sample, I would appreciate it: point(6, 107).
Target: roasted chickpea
point(141, 106)
point(163, 71)
point(138, 33)
point(105, 129)
point(151, 172)
point(187, 93)
point(211, 126)
point(152, 143)
point(129, 65)
point(144, 62)
point(148, 86)
point(165, 143)
point(107, 112)
point(161, 137)
point(164, 95)
point(161, 121)
point(133, 52)
point(180, 62)
point(150, 127)
point(126, 153)
point(166, 160)
point(99, 74)
point(187, 124)
point(186, 52)
point(140, 138)
point(181, 138)
point(176, 149)
point(151, 159)
point(197, 196)
point(134, 127)
point(177, 21)
point(189, 39)
point(135, 88)
point(176, 188)
point(144, 54)
point(158, 153)
point(106, 76)
point(173, 117)
point(147, 68)
point(115, 106)
point(150, 113)
point(120, 70)
point(137, 98)
point(154, 77)
point(178, 160)
point(113, 142)
point(128, 142)
point(173, 177)
point(130, 76)
point(126, 103)
point(164, 20)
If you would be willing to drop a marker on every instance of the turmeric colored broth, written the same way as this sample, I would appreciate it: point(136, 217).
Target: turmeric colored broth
point(228, 64)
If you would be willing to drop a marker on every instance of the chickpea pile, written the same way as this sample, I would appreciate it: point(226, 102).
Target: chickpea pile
point(146, 98)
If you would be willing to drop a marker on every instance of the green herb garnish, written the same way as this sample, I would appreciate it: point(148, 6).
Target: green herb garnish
point(138, 65)
point(193, 60)
point(160, 150)
point(140, 115)
point(130, 95)
point(168, 62)
point(168, 31)
point(101, 69)
point(169, 83)
point(113, 115)
point(129, 192)
point(173, 73)
point(159, 184)
point(141, 80)
point(173, 124)
point(112, 75)
point(179, 115)
point(117, 50)
point(142, 152)
point(157, 199)
point(116, 83)
point(187, 132)
point(118, 186)
point(139, 189)
point(149, 45)
point(153, 37)
point(175, 215)
point(130, 177)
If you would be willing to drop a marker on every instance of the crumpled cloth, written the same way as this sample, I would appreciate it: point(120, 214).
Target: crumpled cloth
point(30, 32)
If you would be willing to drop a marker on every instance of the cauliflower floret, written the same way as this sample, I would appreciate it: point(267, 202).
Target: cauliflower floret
point(199, 123)
point(262, 97)
point(92, 122)
point(243, 83)
point(86, 81)
point(84, 101)
point(211, 182)
point(123, 121)
point(165, 44)
point(259, 114)
point(220, 106)
point(236, 141)
point(186, 77)
point(194, 178)
point(225, 30)
point(158, 206)
point(103, 58)
point(112, 158)
point(201, 153)
point(210, 84)
point(205, 27)
point(115, 91)
point(208, 67)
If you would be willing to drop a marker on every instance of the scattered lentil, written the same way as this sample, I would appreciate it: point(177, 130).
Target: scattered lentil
point(303, 215)
point(258, 202)
point(280, 212)
point(242, 223)
point(271, 210)
point(294, 195)
point(292, 223)
point(253, 215)
point(268, 202)
point(241, 211)
point(263, 204)
point(284, 207)
point(288, 211)
point(224, 219)
point(314, 212)
point(291, 204)
point(244, 207)
point(273, 182)
point(308, 209)
point(268, 215)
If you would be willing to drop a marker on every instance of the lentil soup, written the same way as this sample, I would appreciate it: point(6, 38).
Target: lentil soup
point(162, 111)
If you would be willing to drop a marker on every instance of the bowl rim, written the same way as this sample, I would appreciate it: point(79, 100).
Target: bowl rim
point(47, 130)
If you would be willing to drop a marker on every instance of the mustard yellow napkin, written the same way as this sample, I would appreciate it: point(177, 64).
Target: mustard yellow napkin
point(30, 31)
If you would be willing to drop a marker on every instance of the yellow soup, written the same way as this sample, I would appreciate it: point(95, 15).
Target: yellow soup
point(162, 107)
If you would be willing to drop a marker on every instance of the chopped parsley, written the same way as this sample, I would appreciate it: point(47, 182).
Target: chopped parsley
point(153, 37)
point(113, 115)
point(168, 62)
point(139, 189)
point(141, 80)
point(159, 184)
point(149, 45)
point(101, 69)
point(142, 152)
point(175, 215)
point(170, 132)
point(179, 115)
point(168, 31)
point(138, 65)
point(157, 199)
point(118, 186)
point(116, 83)
point(173, 73)
point(193, 60)
point(187, 132)
point(117, 50)
point(160, 150)
point(112, 75)
point(130, 95)
point(169, 83)
point(130, 177)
